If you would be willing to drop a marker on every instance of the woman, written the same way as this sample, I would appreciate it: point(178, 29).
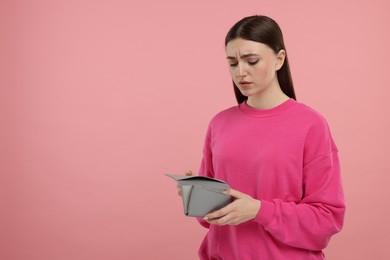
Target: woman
point(276, 154)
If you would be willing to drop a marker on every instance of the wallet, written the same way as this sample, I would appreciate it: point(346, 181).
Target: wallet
point(201, 194)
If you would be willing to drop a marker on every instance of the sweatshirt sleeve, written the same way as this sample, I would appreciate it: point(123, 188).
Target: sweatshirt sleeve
point(206, 167)
point(310, 223)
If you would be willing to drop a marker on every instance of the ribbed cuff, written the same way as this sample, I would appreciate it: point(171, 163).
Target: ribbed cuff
point(266, 213)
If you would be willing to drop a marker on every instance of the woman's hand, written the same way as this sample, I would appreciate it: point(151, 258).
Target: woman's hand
point(242, 209)
point(188, 173)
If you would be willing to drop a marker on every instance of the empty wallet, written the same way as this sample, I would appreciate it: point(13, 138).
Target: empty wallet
point(201, 195)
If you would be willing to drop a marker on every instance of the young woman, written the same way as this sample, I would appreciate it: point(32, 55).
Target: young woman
point(276, 154)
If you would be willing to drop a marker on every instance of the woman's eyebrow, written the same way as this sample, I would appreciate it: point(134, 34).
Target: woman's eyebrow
point(243, 56)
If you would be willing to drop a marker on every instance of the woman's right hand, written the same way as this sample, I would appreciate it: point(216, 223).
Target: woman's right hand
point(188, 173)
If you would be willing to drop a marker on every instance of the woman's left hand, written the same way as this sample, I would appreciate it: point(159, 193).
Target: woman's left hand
point(242, 209)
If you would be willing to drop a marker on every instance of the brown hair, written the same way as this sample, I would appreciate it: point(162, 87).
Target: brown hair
point(265, 30)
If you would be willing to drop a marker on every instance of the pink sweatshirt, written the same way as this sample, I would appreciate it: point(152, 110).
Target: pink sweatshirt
point(285, 157)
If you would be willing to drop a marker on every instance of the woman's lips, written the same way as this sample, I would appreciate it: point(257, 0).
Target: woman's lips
point(245, 84)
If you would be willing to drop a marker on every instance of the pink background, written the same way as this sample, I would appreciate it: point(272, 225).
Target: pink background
point(99, 99)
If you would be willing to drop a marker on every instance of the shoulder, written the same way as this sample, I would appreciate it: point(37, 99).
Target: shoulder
point(224, 115)
point(307, 111)
point(309, 116)
point(317, 129)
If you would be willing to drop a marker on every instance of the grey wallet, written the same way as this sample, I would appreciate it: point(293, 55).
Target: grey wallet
point(201, 195)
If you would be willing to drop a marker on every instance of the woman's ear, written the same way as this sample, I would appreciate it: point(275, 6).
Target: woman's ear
point(280, 57)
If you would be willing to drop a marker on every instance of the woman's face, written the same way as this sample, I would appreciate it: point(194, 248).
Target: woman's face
point(253, 67)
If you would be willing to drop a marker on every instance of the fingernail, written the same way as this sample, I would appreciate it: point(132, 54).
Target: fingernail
point(205, 218)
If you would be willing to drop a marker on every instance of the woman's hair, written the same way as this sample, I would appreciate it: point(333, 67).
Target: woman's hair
point(263, 29)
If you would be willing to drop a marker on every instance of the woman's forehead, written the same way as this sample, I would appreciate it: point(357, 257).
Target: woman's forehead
point(241, 47)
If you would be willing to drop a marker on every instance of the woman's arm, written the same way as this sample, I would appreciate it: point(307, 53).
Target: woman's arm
point(310, 222)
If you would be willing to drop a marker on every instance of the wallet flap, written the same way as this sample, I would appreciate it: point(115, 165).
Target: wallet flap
point(186, 195)
point(206, 182)
point(203, 201)
point(201, 195)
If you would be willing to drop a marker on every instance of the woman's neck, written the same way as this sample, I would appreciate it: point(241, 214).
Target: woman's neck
point(268, 100)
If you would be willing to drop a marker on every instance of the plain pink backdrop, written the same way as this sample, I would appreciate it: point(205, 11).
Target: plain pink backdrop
point(99, 99)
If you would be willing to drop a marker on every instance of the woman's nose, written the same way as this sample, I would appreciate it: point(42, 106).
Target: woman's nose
point(241, 70)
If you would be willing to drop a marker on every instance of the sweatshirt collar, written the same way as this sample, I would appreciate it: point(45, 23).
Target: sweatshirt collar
point(254, 112)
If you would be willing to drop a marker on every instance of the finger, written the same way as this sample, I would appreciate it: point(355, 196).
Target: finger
point(225, 220)
point(216, 221)
point(179, 191)
point(218, 213)
point(188, 173)
point(236, 194)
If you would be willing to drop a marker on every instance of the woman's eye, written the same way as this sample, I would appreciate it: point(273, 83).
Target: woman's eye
point(233, 64)
point(253, 62)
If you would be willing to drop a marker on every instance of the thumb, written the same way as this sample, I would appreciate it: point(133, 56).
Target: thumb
point(235, 194)
point(188, 173)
